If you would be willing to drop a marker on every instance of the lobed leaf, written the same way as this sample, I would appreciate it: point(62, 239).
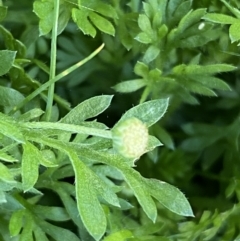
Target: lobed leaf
point(90, 210)
point(16, 222)
point(169, 196)
point(79, 16)
point(44, 10)
point(62, 127)
point(142, 194)
point(102, 23)
point(72, 210)
point(9, 128)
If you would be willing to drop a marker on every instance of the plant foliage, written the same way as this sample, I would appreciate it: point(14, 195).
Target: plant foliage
point(76, 163)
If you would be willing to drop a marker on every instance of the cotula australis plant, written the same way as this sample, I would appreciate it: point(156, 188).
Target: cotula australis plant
point(63, 174)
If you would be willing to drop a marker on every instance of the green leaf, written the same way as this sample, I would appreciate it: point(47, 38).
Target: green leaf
point(199, 39)
point(59, 234)
point(6, 175)
point(7, 158)
point(90, 9)
point(234, 32)
point(9, 128)
point(164, 137)
point(3, 12)
point(211, 82)
point(172, 6)
point(88, 109)
point(44, 10)
point(26, 233)
point(153, 142)
point(149, 112)
point(148, 10)
point(79, 16)
point(57, 214)
point(11, 44)
point(39, 234)
point(182, 10)
point(2, 197)
point(6, 59)
point(157, 20)
point(141, 69)
point(9, 96)
point(48, 158)
point(119, 235)
point(234, 11)
point(72, 210)
point(169, 196)
point(90, 210)
point(15, 224)
point(144, 23)
point(202, 70)
point(30, 163)
point(190, 84)
point(151, 54)
point(102, 24)
point(142, 194)
point(100, 7)
point(67, 127)
point(63, 18)
point(219, 18)
point(130, 86)
point(144, 38)
point(31, 114)
point(190, 19)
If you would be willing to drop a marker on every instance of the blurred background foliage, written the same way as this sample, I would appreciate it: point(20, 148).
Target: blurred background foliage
point(201, 129)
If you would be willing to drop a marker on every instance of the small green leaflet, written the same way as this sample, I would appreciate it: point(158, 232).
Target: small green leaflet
point(6, 59)
point(87, 109)
point(149, 112)
point(30, 163)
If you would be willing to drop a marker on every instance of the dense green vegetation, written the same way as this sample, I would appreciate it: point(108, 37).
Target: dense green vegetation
point(119, 120)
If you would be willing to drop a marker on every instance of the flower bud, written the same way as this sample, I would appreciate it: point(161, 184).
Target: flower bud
point(130, 138)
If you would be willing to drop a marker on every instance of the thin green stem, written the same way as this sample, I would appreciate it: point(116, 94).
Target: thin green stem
point(53, 61)
point(55, 79)
point(145, 94)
